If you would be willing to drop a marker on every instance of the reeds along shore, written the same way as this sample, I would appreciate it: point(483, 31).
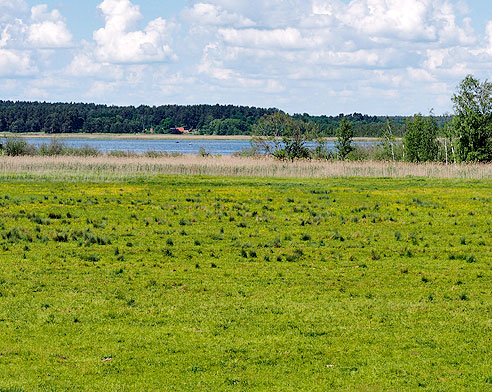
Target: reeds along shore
point(107, 168)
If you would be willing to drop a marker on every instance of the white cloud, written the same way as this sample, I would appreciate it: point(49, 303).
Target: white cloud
point(210, 14)
point(346, 44)
point(119, 41)
point(83, 66)
point(48, 29)
point(45, 30)
point(271, 13)
point(289, 38)
point(29, 37)
point(8, 8)
point(320, 56)
point(488, 32)
point(16, 63)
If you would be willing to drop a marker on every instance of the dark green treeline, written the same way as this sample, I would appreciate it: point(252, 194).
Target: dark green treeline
point(45, 117)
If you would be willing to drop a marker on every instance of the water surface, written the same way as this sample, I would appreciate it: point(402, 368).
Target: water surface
point(216, 147)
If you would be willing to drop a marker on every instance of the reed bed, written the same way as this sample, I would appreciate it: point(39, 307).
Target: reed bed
point(107, 168)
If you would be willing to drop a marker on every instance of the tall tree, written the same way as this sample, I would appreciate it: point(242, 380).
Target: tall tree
point(472, 123)
point(345, 135)
point(388, 141)
point(282, 136)
point(421, 139)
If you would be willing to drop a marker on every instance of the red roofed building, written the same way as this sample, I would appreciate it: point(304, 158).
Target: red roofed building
point(179, 131)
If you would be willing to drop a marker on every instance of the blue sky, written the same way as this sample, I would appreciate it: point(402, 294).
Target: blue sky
point(315, 56)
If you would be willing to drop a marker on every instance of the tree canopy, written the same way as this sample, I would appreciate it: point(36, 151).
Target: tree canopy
point(283, 136)
point(91, 118)
point(345, 134)
point(204, 119)
point(421, 143)
point(472, 123)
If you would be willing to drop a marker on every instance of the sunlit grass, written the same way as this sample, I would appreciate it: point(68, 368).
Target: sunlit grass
point(191, 283)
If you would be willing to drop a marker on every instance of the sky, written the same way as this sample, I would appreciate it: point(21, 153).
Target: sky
point(378, 57)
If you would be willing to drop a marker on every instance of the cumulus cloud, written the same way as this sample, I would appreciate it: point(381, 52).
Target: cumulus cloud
point(271, 13)
point(48, 29)
point(333, 41)
point(119, 41)
point(24, 39)
point(8, 8)
point(320, 56)
point(44, 29)
point(289, 38)
point(16, 63)
point(489, 37)
point(83, 65)
point(211, 14)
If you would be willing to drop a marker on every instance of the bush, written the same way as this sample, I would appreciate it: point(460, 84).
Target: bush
point(248, 152)
point(54, 148)
point(122, 154)
point(85, 151)
point(321, 151)
point(17, 147)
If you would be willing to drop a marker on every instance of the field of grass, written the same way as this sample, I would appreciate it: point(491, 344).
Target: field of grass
point(220, 283)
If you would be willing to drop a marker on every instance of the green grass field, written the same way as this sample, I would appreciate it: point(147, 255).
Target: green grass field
point(210, 284)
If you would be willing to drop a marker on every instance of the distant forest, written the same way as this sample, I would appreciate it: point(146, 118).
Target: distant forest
point(18, 117)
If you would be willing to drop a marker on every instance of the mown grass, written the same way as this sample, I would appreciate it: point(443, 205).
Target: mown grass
point(197, 283)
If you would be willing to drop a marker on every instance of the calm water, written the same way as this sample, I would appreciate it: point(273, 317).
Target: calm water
point(218, 147)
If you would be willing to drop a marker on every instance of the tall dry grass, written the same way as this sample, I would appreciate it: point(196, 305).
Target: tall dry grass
point(115, 168)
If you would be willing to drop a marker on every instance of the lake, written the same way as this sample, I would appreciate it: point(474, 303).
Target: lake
point(216, 147)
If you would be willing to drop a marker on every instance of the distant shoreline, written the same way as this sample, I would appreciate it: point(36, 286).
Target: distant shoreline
point(141, 136)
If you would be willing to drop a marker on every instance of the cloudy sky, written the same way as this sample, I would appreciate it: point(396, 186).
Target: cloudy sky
point(315, 56)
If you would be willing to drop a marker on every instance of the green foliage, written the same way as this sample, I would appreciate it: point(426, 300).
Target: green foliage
point(20, 117)
point(345, 135)
point(90, 118)
point(283, 137)
point(17, 147)
point(389, 147)
point(473, 120)
point(363, 125)
point(421, 143)
point(228, 126)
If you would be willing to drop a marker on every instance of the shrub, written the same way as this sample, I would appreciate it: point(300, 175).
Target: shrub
point(55, 147)
point(17, 147)
point(85, 151)
point(247, 152)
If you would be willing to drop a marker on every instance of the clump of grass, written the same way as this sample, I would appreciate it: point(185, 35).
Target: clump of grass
point(464, 297)
point(61, 237)
point(17, 234)
point(375, 255)
point(471, 259)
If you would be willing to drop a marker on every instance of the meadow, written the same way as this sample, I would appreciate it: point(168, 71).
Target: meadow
point(200, 283)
